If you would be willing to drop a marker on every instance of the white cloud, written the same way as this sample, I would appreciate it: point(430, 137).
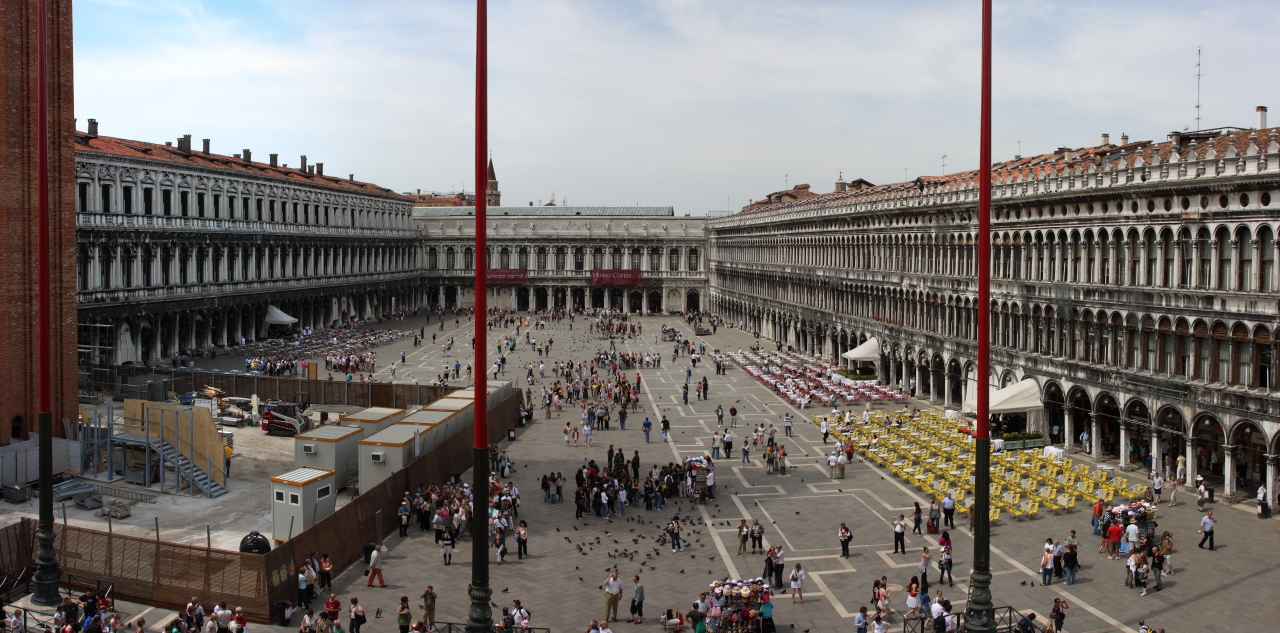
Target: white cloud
point(674, 102)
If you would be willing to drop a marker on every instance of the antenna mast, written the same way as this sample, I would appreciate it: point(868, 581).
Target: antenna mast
point(944, 164)
point(1197, 88)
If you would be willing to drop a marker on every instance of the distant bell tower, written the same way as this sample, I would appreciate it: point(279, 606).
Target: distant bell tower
point(492, 196)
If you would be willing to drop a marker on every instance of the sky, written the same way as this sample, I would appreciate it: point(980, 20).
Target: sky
point(698, 105)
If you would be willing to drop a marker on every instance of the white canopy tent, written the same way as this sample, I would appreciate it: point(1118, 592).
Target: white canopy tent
point(276, 316)
point(1020, 397)
point(868, 352)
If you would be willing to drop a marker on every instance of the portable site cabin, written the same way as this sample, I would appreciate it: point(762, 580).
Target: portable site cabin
point(301, 497)
point(463, 407)
point(373, 419)
point(329, 447)
point(386, 452)
point(497, 393)
point(434, 427)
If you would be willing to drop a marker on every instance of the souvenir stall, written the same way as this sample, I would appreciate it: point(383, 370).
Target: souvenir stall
point(740, 606)
point(696, 469)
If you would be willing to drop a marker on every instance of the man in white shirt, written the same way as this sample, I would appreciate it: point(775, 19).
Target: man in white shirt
point(1084, 441)
point(900, 534)
point(612, 592)
point(841, 462)
point(1206, 528)
point(831, 466)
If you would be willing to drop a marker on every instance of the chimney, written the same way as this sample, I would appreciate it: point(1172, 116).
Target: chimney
point(274, 159)
point(311, 169)
point(1262, 121)
point(248, 158)
point(1106, 139)
point(184, 143)
point(93, 124)
point(303, 164)
point(419, 192)
point(1124, 138)
point(319, 169)
point(206, 145)
point(351, 177)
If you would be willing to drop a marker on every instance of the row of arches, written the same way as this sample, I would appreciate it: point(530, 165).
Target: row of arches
point(651, 258)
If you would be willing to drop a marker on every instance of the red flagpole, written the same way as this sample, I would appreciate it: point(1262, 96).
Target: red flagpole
point(480, 616)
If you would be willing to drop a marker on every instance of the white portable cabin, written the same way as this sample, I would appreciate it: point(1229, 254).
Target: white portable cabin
point(386, 452)
point(498, 391)
point(329, 447)
point(373, 419)
point(463, 407)
point(434, 427)
point(300, 498)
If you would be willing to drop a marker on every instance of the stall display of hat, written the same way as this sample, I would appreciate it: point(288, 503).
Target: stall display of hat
point(739, 606)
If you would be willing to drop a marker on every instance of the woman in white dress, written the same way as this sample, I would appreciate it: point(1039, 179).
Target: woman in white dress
point(797, 584)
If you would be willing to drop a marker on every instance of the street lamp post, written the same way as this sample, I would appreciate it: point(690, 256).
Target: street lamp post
point(48, 573)
point(979, 612)
point(480, 616)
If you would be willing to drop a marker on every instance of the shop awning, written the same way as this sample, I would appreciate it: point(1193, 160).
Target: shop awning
point(276, 316)
point(869, 351)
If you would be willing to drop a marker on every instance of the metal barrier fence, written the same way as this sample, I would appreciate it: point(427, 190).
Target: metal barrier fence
point(458, 627)
point(1006, 621)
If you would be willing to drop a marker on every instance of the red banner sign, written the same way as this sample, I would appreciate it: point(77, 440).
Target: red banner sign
point(605, 277)
point(507, 276)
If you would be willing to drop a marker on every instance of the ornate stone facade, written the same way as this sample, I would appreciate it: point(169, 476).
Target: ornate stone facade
point(1136, 284)
point(180, 249)
point(559, 247)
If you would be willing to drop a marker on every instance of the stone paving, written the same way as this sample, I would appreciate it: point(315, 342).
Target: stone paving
point(801, 510)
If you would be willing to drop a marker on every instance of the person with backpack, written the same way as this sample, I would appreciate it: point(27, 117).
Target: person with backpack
point(1059, 613)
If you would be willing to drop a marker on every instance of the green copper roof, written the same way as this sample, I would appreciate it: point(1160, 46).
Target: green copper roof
point(446, 212)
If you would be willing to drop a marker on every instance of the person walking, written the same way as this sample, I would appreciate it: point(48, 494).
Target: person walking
point(357, 617)
point(719, 415)
point(375, 566)
point(949, 511)
point(744, 532)
point(522, 540)
point(733, 415)
point(666, 428)
point(900, 534)
point(845, 535)
point(944, 560)
point(797, 584)
point(612, 594)
point(916, 517)
point(646, 426)
point(925, 557)
point(1206, 529)
point(826, 431)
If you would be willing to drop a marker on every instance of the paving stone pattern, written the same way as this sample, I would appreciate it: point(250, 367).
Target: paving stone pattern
point(801, 510)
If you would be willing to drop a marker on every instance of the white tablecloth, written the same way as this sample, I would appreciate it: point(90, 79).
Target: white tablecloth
point(1054, 452)
point(997, 445)
point(952, 414)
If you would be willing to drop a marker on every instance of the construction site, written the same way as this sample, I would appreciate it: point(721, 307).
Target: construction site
point(161, 499)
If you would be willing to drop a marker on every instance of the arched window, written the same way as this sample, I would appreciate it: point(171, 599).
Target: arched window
point(432, 258)
point(522, 257)
point(450, 258)
point(468, 259)
point(636, 256)
point(693, 259)
point(655, 259)
point(674, 260)
point(541, 259)
point(579, 258)
point(615, 257)
point(504, 258)
point(561, 254)
point(597, 257)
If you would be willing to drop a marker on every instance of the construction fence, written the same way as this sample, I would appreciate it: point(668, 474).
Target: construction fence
point(152, 383)
point(167, 575)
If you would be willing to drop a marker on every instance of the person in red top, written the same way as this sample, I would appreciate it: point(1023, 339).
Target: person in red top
point(1097, 518)
point(1113, 541)
point(332, 607)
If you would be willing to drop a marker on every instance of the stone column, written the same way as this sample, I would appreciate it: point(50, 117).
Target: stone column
point(1230, 284)
point(1228, 471)
point(1068, 434)
point(1141, 276)
point(1272, 462)
point(1124, 445)
point(1157, 463)
point(1192, 465)
point(1195, 263)
point(1214, 264)
point(1095, 439)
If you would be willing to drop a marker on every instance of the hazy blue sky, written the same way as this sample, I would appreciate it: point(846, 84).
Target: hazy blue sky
point(687, 103)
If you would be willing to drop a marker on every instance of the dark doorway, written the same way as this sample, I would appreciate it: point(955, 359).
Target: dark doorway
point(540, 299)
point(579, 298)
point(597, 297)
point(635, 300)
point(522, 299)
point(655, 302)
point(691, 301)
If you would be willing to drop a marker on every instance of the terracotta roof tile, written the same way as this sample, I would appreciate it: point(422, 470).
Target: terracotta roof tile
point(169, 154)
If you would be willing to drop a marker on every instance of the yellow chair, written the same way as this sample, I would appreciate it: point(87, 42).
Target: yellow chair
point(994, 515)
